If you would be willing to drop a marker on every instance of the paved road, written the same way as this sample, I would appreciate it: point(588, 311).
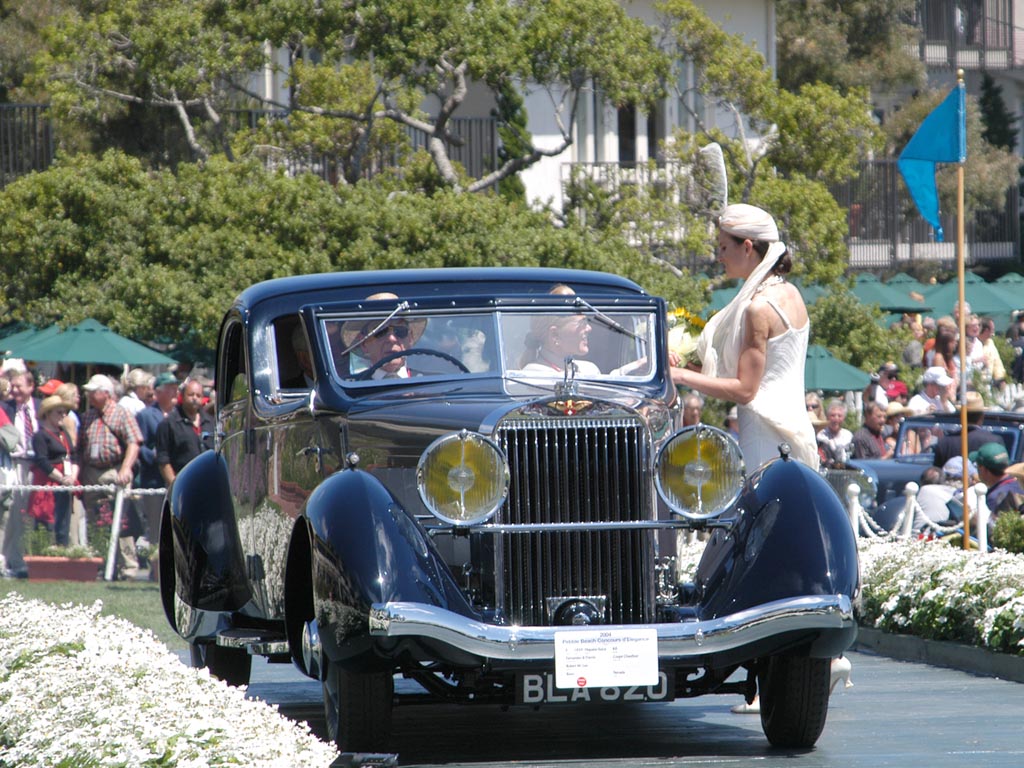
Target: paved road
point(898, 714)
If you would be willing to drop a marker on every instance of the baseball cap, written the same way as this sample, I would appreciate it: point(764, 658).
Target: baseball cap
point(99, 381)
point(955, 467)
point(165, 378)
point(50, 387)
point(937, 375)
point(991, 456)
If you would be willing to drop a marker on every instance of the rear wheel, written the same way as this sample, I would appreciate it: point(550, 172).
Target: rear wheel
point(232, 665)
point(794, 700)
point(357, 707)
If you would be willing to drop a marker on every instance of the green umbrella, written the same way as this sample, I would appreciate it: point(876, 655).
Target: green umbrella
point(90, 342)
point(11, 345)
point(870, 290)
point(986, 299)
point(823, 372)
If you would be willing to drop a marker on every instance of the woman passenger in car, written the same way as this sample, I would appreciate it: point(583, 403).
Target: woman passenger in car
point(552, 339)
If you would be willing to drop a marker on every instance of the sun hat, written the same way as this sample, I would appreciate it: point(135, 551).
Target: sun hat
point(937, 375)
point(991, 456)
point(895, 409)
point(974, 402)
point(51, 402)
point(355, 330)
point(99, 381)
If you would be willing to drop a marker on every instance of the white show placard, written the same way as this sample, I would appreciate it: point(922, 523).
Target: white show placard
point(605, 658)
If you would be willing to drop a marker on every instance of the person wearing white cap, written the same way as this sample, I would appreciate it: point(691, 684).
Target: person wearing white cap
point(753, 350)
point(934, 395)
point(108, 445)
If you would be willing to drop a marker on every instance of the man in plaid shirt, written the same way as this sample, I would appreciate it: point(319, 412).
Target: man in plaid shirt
point(108, 445)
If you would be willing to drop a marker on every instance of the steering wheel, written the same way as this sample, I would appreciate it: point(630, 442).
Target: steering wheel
point(406, 353)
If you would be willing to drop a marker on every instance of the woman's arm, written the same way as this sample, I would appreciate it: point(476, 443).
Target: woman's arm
point(750, 369)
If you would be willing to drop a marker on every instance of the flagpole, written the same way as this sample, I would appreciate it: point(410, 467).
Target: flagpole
point(963, 336)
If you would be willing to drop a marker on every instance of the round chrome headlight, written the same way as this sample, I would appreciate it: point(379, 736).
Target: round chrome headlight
point(699, 472)
point(462, 478)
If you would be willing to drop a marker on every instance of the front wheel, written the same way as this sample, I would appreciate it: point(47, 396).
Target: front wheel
point(357, 706)
point(794, 700)
point(232, 665)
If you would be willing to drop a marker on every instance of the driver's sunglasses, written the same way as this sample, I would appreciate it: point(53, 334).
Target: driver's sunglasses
point(400, 331)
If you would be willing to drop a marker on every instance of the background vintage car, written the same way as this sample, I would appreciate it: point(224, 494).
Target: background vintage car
point(883, 480)
point(497, 533)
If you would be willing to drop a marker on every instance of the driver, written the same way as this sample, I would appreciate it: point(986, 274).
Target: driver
point(395, 337)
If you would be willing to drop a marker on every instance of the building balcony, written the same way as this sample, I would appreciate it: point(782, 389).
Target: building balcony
point(969, 34)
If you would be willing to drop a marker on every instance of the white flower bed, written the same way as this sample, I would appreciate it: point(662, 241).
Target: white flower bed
point(940, 592)
point(77, 688)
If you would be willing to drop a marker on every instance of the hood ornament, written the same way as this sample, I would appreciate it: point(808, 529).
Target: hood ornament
point(567, 387)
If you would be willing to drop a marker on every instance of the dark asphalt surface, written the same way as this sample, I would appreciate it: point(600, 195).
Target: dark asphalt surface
point(897, 714)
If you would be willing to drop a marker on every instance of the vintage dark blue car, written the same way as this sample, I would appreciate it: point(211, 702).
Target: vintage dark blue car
point(473, 478)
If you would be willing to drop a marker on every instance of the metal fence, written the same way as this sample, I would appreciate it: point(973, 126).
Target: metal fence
point(26, 141)
point(27, 144)
point(887, 232)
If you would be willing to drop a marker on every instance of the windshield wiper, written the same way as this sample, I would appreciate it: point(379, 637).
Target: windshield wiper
point(402, 306)
point(579, 301)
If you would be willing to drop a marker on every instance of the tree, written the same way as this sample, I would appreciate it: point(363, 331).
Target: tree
point(416, 61)
point(848, 44)
point(1000, 124)
point(788, 147)
point(160, 255)
point(852, 331)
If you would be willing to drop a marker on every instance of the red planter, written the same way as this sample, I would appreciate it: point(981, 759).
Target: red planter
point(62, 568)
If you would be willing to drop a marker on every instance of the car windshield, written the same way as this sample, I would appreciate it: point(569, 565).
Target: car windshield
point(919, 437)
point(531, 343)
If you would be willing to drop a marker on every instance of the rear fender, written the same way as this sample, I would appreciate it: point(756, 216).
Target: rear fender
point(364, 548)
point(792, 538)
point(199, 540)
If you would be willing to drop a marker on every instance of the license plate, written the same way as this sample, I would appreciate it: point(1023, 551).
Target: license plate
point(540, 689)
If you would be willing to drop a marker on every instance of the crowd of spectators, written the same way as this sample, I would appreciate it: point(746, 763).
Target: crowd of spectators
point(136, 431)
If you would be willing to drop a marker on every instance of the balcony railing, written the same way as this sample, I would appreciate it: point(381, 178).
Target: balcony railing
point(26, 141)
point(969, 34)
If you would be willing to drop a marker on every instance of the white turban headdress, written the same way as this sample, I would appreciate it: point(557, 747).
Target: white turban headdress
point(719, 344)
point(748, 222)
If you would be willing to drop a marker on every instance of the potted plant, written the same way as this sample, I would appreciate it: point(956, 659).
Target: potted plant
point(46, 561)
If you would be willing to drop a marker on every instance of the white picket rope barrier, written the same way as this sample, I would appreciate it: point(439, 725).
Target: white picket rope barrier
point(118, 491)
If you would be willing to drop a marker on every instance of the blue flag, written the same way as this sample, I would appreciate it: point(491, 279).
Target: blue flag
point(942, 138)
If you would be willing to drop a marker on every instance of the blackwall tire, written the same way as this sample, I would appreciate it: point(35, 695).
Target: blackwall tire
point(232, 665)
point(794, 700)
point(357, 707)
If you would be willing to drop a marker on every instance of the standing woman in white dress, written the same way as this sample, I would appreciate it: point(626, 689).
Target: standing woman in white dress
point(753, 351)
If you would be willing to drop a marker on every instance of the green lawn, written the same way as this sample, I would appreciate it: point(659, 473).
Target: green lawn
point(136, 601)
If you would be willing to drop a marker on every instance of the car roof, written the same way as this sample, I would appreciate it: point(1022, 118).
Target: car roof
point(462, 281)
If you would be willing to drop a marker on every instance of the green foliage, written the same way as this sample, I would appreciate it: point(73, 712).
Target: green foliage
point(160, 255)
point(847, 44)
point(1000, 124)
point(1008, 533)
point(851, 331)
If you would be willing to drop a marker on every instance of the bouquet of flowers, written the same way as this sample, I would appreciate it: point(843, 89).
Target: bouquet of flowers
point(684, 329)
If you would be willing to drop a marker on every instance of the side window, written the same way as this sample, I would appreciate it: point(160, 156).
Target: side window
point(291, 349)
point(233, 371)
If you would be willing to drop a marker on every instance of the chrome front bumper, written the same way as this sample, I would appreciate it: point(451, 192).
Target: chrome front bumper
point(675, 641)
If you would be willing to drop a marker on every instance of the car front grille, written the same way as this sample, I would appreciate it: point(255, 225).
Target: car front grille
point(576, 470)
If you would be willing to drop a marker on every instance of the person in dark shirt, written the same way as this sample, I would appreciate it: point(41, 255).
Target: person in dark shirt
point(949, 445)
point(185, 433)
point(868, 441)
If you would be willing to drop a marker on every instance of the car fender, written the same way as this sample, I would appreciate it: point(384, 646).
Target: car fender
point(365, 548)
point(200, 537)
point(791, 538)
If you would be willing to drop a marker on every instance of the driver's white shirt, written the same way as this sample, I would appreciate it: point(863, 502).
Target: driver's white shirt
point(401, 373)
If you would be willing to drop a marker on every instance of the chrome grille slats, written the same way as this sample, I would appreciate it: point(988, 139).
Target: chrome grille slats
point(567, 470)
